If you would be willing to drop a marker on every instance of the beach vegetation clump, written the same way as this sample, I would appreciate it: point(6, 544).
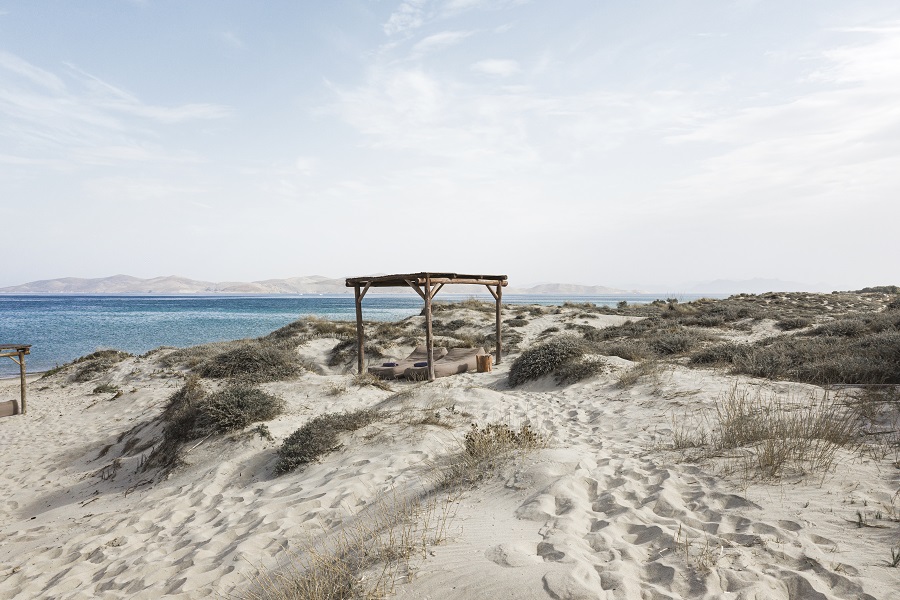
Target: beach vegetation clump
point(585, 367)
point(233, 409)
point(792, 323)
point(254, 361)
point(89, 366)
point(776, 431)
point(320, 436)
point(545, 359)
point(192, 413)
point(485, 450)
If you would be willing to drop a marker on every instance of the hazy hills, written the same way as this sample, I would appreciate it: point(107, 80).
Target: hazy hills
point(125, 284)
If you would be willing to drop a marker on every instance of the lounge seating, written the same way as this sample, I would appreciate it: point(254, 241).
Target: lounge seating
point(8, 409)
point(393, 369)
point(458, 360)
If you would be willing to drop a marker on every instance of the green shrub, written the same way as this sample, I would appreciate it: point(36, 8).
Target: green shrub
point(578, 370)
point(544, 359)
point(791, 323)
point(254, 361)
point(191, 414)
point(235, 408)
point(319, 436)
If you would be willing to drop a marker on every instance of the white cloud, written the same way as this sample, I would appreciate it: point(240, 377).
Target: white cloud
point(498, 67)
point(83, 118)
point(438, 41)
point(409, 15)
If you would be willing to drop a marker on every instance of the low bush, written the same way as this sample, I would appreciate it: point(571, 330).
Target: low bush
point(544, 359)
point(578, 370)
point(485, 450)
point(254, 361)
point(191, 413)
point(318, 437)
point(89, 366)
point(792, 323)
point(234, 408)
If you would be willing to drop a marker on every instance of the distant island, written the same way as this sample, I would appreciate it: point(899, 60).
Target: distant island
point(315, 284)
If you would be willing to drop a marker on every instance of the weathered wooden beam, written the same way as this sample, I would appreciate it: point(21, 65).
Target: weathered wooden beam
point(469, 281)
point(491, 290)
point(360, 333)
point(429, 337)
point(416, 287)
point(436, 289)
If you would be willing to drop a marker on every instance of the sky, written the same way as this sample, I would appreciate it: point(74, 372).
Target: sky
point(626, 144)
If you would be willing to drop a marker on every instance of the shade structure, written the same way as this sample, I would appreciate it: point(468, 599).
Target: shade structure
point(427, 285)
point(17, 353)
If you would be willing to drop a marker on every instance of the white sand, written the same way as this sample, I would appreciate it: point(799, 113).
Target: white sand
point(603, 512)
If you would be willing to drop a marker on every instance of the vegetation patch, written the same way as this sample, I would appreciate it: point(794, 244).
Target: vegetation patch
point(192, 413)
point(320, 436)
point(775, 432)
point(254, 361)
point(485, 450)
point(545, 359)
point(89, 366)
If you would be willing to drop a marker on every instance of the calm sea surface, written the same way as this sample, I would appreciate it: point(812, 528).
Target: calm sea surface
point(61, 328)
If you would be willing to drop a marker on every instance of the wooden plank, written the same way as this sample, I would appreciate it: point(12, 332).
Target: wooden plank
point(436, 289)
point(416, 287)
point(491, 290)
point(360, 334)
point(429, 337)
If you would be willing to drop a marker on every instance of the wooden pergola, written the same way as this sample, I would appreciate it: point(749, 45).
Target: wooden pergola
point(15, 352)
point(427, 285)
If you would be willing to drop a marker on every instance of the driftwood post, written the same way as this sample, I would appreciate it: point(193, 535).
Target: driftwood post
point(360, 333)
point(429, 338)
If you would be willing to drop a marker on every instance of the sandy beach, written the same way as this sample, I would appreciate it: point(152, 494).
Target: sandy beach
point(623, 491)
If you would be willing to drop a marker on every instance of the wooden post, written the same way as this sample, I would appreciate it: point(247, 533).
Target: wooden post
point(360, 334)
point(22, 377)
point(429, 338)
point(499, 297)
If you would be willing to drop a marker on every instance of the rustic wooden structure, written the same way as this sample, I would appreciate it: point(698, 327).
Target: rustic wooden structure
point(16, 353)
point(427, 285)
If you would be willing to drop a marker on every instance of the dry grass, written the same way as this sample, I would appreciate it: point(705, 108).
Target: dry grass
point(88, 367)
point(774, 432)
point(364, 559)
point(545, 359)
point(484, 451)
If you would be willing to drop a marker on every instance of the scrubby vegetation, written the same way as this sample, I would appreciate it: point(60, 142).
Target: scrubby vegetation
point(485, 450)
point(776, 432)
point(254, 361)
point(88, 367)
point(545, 359)
point(192, 413)
point(320, 436)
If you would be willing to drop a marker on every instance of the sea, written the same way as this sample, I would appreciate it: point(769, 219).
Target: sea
point(60, 328)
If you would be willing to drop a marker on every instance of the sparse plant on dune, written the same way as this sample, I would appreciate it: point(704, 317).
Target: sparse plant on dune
point(320, 436)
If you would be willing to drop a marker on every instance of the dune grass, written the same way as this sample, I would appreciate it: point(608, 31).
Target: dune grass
point(320, 436)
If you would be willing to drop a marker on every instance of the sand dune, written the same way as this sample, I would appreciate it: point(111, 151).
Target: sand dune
point(606, 509)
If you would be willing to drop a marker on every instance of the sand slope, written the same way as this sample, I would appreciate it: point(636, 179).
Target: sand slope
point(606, 510)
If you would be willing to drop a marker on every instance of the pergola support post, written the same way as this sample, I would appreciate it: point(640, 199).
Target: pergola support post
point(429, 336)
point(498, 296)
point(22, 378)
point(360, 333)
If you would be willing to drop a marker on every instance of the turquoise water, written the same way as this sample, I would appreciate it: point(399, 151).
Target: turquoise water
point(62, 328)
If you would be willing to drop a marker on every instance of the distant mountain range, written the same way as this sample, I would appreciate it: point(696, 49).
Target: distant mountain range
point(317, 284)
point(125, 284)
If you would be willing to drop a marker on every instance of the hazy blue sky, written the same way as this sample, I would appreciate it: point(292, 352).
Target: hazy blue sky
point(585, 141)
